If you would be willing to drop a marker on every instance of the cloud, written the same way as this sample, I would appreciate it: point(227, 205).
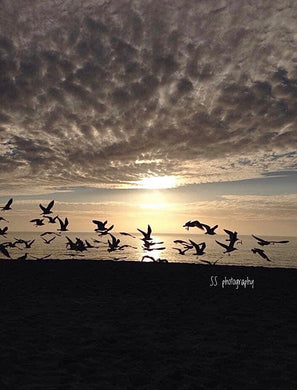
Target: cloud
point(202, 90)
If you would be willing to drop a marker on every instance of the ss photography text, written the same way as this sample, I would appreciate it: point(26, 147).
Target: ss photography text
point(237, 283)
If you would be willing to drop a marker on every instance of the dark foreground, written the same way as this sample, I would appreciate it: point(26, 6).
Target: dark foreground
point(117, 326)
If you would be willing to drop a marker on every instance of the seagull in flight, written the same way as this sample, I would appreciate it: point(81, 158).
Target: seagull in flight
point(182, 251)
point(211, 262)
point(101, 227)
point(229, 248)
point(148, 257)
point(266, 242)
point(45, 233)
point(261, 253)
point(4, 251)
point(209, 230)
point(47, 209)
point(41, 258)
point(3, 231)
point(49, 240)
point(28, 244)
point(51, 219)
point(114, 244)
point(7, 206)
point(147, 234)
point(63, 225)
point(3, 219)
point(127, 234)
point(37, 221)
point(196, 223)
point(232, 237)
point(199, 248)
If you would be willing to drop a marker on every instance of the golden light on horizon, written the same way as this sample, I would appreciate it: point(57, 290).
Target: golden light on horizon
point(158, 182)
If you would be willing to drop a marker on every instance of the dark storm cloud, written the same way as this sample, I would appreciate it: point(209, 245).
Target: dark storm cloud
point(103, 92)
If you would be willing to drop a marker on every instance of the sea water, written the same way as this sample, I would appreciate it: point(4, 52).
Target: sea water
point(281, 255)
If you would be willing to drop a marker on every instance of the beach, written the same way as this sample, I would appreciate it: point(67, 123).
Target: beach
point(129, 325)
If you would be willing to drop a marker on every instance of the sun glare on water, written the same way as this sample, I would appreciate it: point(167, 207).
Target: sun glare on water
point(158, 182)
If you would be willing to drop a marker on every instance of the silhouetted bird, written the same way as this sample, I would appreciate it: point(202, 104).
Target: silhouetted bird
point(148, 257)
point(127, 234)
point(3, 231)
point(261, 253)
point(37, 221)
point(47, 209)
point(119, 258)
point(196, 223)
point(24, 257)
point(199, 248)
point(71, 244)
point(49, 240)
point(229, 248)
point(101, 227)
point(88, 245)
point(180, 242)
point(45, 233)
point(63, 225)
point(7, 206)
point(41, 258)
point(266, 242)
point(3, 219)
point(100, 224)
point(210, 230)
point(210, 262)
point(146, 235)
point(28, 243)
point(4, 251)
point(51, 219)
point(80, 246)
point(114, 244)
point(10, 244)
point(232, 237)
point(182, 251)
point(162, 261)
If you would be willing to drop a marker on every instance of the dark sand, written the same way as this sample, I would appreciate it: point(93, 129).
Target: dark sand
point(107, 325)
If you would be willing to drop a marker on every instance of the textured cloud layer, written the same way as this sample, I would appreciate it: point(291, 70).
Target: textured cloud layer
point(104, 92)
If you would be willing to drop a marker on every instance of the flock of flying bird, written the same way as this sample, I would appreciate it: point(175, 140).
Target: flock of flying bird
point(114, 244)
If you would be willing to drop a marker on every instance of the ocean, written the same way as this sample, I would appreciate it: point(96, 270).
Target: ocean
point(281, 255)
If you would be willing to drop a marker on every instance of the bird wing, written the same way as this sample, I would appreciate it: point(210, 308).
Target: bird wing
point(96, 222)
point(259, 239)
point(196, 246)
point(50, 205)
point(8, 204)
point(229, 232)
point(4, 251)
point(42, 208)
point(203, 246)
point(66, 222)
point(198, 224)
point(205, 261)
point(142, 232)
point(61, 222)
point(149, 230)
point(223, 245)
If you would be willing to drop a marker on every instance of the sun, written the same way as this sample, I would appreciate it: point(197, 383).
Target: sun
point(158, 182)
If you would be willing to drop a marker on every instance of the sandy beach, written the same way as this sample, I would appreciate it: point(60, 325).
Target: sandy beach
point(126, 325)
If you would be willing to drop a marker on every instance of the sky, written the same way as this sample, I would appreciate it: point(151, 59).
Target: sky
point(96, 96)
